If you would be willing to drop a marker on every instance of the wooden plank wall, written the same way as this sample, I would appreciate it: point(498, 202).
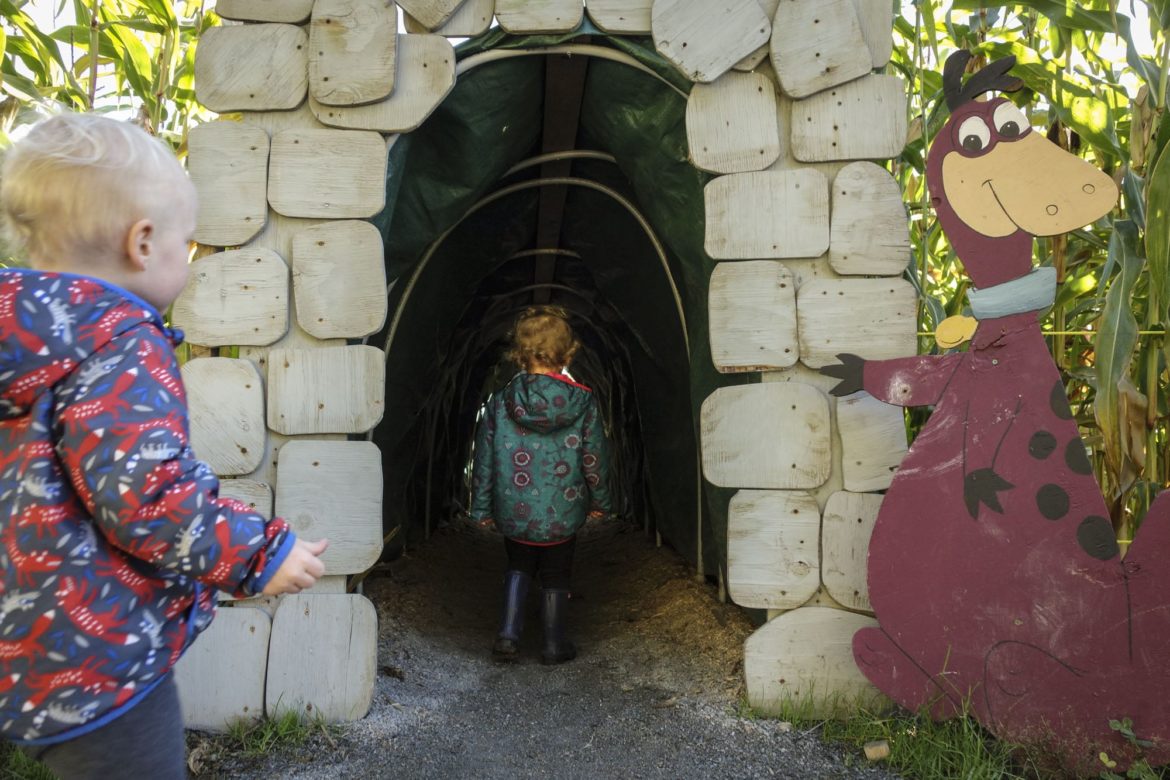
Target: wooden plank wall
point(809, 246)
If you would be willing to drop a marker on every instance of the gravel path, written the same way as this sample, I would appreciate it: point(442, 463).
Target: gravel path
point(654, 692)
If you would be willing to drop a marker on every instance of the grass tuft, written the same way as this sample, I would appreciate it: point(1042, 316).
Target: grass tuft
point(288, 729)
point(15, 765)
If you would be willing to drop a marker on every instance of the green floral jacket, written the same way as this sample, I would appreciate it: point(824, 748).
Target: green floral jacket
point(540, 459)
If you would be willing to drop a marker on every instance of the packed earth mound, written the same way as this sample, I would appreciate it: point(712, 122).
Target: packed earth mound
point(655, 692)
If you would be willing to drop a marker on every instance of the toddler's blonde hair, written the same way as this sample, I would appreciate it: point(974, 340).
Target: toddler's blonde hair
point(77, 182)
point(542, 336)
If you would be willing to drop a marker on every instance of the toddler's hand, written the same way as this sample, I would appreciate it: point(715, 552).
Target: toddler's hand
point(300, 570)
point(487, 523)
point(596, 514)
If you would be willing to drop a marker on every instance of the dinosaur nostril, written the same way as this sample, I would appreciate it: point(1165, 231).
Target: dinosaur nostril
point(1052, 209)
point(1088, 189)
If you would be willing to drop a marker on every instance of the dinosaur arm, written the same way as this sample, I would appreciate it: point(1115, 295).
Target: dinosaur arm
point(911, 381)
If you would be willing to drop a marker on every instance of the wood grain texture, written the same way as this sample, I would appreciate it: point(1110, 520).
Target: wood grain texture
point(431, 14)
point(425, 75)
point(339, 279)
point(705, 39)
point(472, 18)
point(751, 61)
point(862, 120)
point(845, 531)
point(804, 658)
point(329, 390)
point(873, 318)
point(767, 214)
point(234, 297)
point(766, 436)
point(252, 67)
point(273, 443)
point(732, 124)
point(225, 398)
point(877, 25)
point(870, 233)
point(817, 44)
point(751, 309)
point(333, 490)
point(228, 164)
point(257, 495)
point(539, 16)
point(322, 658)
point(352, 44)
point(773, 561)
point(221, 677)
point(290, 11)
point(628, 17)
point(336, 174)
point(873, 441)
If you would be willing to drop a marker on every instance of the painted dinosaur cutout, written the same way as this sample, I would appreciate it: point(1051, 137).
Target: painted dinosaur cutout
point(994, 571)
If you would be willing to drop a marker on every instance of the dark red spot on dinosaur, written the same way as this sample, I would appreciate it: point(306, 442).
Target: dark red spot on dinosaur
point(1041, 445)
point(1052, 501)
point(1059, 402)
point(1077, 457)
point(1096, 537)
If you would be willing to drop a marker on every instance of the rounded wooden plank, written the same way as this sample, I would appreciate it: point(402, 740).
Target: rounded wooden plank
point(352, 45)
point(877, 25)
point(767, 214)
point(221, 676)
point(431, 14)
point(339, 279)
point(751, 307)
point(773, 435)
point(337, 174)
point(539, 16)
point(732, 124)
point(234, 297)
point(252, 67)
point(803, 660)
point(862, 120)
point(333, 490)
point(226, 401)
point(291, 11)
point(759, 55)
point(773, 560)
point(845, 532)
point(873, 318)
point(425, 75)
point(472, 18)
point(228, 164)
point(257, 495)
point(873, 441)
point(869, 233)
point(629, 17)
point(322, 657)
point(328, 390)
point(704, 39)
point(273, 443)
point(817, 44)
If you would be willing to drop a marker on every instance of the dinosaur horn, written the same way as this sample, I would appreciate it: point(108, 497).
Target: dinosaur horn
point(992, 78)
point(953, 78)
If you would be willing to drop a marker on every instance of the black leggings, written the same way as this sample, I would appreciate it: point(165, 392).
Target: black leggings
point(554, 562)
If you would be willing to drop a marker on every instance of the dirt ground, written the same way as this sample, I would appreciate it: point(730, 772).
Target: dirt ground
point(656, 691)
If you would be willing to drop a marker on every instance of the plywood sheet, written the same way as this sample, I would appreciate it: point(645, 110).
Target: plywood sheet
point(873, 318)
point(873, 441)
point(869, 233)
point(862, 120)
point(431, 14)
point(339, 277)
point(291, 11)
point(751, 306)
point(804, 660)
point(704, 39)
point(257, 495)
point(333, 490)
point(336, 174)
point(221, 677)
point(234, 297)
point(539, 16)
point(252, 67)
point(766, 436)
point(228, 164)
point(226, 401)
point(817, 44)
point(845, 531)
point(330, 390)
point(322, 658)
point(767, 214)
point(351, 51)
point(877, 25)
point(425, 75)
point(773, 560)
point(472, 18)
point(629, 17)
point(732, 124)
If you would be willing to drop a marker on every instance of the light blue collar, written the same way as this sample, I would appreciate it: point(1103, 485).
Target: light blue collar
point(1033, 292)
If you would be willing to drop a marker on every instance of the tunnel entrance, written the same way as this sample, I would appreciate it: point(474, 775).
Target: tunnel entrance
point(554, 173)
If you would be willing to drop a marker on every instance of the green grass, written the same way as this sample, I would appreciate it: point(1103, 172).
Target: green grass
point(14, 765)
point(288, 729)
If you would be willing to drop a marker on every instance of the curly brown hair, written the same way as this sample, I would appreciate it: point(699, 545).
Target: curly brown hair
point(542, 336)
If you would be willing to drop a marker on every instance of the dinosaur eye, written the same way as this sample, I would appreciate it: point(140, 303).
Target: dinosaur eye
point(1010, 121)
point(974, 134)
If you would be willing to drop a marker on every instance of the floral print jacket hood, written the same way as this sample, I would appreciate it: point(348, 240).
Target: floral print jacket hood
point(540, 459)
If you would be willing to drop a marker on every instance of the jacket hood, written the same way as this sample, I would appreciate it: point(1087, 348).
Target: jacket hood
point(543, 403)
point(51, 322)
